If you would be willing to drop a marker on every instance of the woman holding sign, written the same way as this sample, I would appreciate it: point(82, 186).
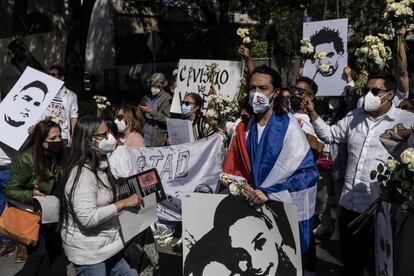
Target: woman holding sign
point(35, 172)
point(89, 213)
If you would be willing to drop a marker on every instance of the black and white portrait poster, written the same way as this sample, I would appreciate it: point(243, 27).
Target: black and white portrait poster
point(383, 241)
point(329, 39)
point(192, 78)
point(24, 105)
point(223, 235)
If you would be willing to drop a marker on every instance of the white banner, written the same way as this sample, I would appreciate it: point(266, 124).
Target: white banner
point(24, 105)
point(331, 37)
point(182, 168)
point(192, 78)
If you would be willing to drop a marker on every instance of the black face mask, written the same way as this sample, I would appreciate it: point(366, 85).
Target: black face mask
point(285, 104)
point(295, 103)
point(54, 148)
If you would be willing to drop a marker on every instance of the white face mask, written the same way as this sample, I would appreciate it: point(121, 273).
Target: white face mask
point(372, 103)
point(155, 91)
point(120, 125)
point(107, 145)
point(259, 102)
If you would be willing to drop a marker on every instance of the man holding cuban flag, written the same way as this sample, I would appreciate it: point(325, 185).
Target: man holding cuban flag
point(272, 153)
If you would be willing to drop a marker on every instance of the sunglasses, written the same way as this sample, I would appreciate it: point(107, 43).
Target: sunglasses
point(374, 91)
point(298, 90)
point(54, 75)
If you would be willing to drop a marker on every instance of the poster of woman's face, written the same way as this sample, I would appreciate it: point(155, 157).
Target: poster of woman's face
point(330, 37)
point(24, 105)
point(224, 235)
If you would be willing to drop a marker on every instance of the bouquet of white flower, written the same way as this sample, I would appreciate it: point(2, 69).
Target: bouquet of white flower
point(307, 50)
point(102, 104)
point(399, 13)
point(222, 109)
point(393, 174)
point(243, 33)
point(371, 56)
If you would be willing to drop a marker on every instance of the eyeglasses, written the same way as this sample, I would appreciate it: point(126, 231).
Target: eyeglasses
point(298, 90)
point(187, 103)
point(375, 91)
point(103, 135)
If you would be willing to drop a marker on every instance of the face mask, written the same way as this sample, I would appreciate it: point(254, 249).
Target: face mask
point(333, 104)
point(54, 148)
point(295, 103)
point(120, 125)
point(186, 109)
point(155, 91)
point(371, 102)
point(107, 145)
point(259, 102)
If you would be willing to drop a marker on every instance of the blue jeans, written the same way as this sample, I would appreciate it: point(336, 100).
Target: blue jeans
point(4, 180)
point(116, 266)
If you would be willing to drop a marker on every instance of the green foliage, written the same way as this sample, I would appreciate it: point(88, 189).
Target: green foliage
point(259, 49)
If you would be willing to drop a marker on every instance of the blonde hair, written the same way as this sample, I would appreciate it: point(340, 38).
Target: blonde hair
point(158, 79)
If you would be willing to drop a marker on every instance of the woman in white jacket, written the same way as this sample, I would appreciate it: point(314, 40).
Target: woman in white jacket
point(89, 213)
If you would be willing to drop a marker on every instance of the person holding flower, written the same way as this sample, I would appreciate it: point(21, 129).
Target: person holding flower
point(360, 130)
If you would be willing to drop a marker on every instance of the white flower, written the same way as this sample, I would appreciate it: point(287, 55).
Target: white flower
point(211, 113)
point(320, 55)
point(101, 106)
point(234, 189)
point(411, 167)
point(324, 67)
point(407, 156)
point(242, 32)
point(391, 165)
point(246, 40)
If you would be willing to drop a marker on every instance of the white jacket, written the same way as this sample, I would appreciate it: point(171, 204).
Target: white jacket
point(99, 237)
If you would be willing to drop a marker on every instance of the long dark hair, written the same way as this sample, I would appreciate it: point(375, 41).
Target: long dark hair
point(82, 156)
point(43, 161)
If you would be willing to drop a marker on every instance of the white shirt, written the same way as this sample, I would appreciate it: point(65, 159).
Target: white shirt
point(361, 134)
point(305, 123)
point(65, 106)
point(4, 158)
point(398, 98)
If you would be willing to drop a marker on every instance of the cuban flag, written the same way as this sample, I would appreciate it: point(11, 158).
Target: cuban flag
point(280, 163)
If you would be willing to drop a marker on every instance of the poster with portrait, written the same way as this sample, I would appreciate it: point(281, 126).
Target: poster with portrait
point(383, 241)
point(329, 37)
point(192, 78)
point(224, 235)
point(24, 105)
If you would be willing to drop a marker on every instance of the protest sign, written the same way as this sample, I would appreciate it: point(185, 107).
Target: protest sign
point(182, 168)
point(24, 105)
point(180, 131)
point(331, 37)
point(192, 78)
point(224, 235)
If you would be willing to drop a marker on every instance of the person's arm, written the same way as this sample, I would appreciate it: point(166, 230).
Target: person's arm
point(163, 111)
point(21, 173)
point(244, 52)
point(327, 134)
point(73, 114)
point(401, 72)
point(85, 205)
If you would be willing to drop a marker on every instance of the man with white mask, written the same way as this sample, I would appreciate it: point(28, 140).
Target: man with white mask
point(272, 154)
point(360, 130)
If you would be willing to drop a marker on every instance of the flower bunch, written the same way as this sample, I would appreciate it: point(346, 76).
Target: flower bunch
point(102, 104)
point(243, 33)
point(211, 73)
point(306, 48)
point(398, 14)
point(395, 174)
point(221, 108)
point(373, 55)
point(322, 67)
point(236, 184)
point(56, 117)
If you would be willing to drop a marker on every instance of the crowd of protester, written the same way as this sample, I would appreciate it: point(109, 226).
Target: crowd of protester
point(336, 145)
